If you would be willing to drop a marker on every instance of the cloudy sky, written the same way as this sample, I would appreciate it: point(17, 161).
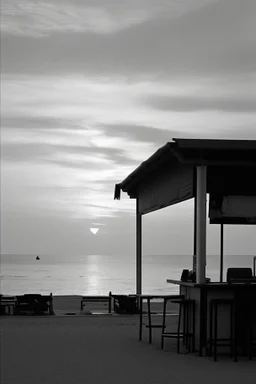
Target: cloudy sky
point(90, 89)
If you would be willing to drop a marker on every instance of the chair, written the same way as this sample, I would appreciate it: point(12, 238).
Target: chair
point(251, 331)
point(7, 302)
point(125, 304)
point(149, 324)
point(215, 341)
point(35, 303)
point(96, 299)
point(187, 318)
point(235, 274)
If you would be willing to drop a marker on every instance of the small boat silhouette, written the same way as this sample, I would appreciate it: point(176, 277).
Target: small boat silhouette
point(37, 258)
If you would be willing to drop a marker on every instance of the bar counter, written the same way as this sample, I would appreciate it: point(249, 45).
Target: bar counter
point(215, 285)
point(243, 293)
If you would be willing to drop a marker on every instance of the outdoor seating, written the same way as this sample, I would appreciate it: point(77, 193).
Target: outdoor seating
point(148, 324)
point(122, 304)
point(34, 303)
point(249, 314)
point(186, 332)
point(214, 340)
point(7, 303)
point(239, 274)
point(97, 299)
point(251, 333)
point(125, 304)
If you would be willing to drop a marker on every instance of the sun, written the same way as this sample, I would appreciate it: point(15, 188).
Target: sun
point(94, 230)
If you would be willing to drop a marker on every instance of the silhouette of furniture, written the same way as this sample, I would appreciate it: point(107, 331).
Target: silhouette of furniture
point(246, 303)
point(214, 340)
point(251, 330)
point(237, 275)
point(34, 303)
point(239, 309)
point(7, 303)
point(186, 332)
point(121, 303)
point(125, 304)
point(96, 299)
point(148, 323)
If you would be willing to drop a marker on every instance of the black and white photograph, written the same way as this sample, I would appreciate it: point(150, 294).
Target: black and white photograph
point(128, 192)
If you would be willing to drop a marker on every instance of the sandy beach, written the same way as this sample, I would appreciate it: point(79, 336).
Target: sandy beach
point(67, 304)
point(97, 349)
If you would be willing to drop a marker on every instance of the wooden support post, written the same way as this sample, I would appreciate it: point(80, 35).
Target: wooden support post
point(221, 251)
point(195, 208)
point(201, 224)
point(138, 250)
point(194, 239)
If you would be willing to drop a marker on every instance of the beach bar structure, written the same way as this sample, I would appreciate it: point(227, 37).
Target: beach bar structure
point(194, 168)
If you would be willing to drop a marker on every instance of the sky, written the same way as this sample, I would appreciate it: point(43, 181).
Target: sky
point(89, 90)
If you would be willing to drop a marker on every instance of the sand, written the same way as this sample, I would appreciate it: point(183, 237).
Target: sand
point(95, 349)
point(71, 304)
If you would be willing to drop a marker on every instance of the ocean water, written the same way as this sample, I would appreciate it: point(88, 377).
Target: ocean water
point(99, 274)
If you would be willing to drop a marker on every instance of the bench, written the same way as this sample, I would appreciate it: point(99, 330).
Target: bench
point(121, 303)
point(35, 303)
point(97, 299)
point(125, 304)
point(7, 302)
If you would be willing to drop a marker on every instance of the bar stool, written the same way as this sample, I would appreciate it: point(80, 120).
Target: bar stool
point(246, 321)
point(190, 314)
point(149, 324)
point(251, 331)
point(186, 308)
point(214, 341)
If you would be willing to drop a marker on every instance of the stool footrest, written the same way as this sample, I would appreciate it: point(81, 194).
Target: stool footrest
point(173, 334)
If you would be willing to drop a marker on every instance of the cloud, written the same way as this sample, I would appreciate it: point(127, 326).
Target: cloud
point(215, 39)
point(74, 156)
point(140, 133)
point(63, 171)
point(90, 98)
point(39, 19)
point(207, 103)
point(79, 109)
point(84, 124)
point(35, 123)
point(47, 190)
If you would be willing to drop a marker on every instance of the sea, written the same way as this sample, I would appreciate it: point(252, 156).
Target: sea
point(99, 274)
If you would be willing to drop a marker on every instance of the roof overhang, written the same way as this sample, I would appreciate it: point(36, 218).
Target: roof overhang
point(231, 165)
point(195, 152)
